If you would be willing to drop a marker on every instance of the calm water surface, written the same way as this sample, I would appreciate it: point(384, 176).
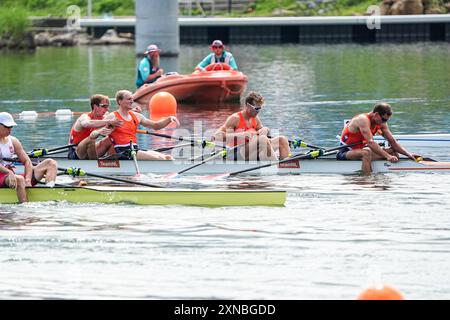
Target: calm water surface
point(335, 235)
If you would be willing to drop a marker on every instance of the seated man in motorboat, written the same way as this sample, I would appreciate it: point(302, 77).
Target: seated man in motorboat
point(88, 127)
point(218, 55)
point(362, 128)
point(246, 130)
point(124, 137)
point(10, 147)
point(149, 69)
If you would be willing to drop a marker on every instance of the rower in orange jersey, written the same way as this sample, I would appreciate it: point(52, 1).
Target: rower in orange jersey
point(88, 127)
point(121, 136)
point(245, 127)
point(362, 128)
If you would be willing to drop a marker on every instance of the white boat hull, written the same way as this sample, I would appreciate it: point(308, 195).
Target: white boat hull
point(321, 165)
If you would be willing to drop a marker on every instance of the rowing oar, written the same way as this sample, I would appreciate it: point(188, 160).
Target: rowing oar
point(296, 143)
point(79, 172)
point(133, 156)
point(222, 153)
point(36, 153)
point(201, 142)
point(310, 155)
point(182, 145)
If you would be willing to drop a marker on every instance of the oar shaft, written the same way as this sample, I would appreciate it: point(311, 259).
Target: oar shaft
point(63, 147)
point(216, 155)
point(112, 179)
point(42, 152)
point(313, 154)
point(174, 147)
point(300, 143)
point(202, 162)
point(164, 135)
point(202, 143)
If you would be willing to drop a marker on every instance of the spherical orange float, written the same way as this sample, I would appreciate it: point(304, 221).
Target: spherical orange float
point(381, 292)
point(162, 104)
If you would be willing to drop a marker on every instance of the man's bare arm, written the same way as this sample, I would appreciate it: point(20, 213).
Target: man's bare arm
point(24, 159)
point(364, 128)
point(387, 134)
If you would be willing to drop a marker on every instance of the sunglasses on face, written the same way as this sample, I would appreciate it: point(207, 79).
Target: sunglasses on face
point(384, 119)
point(217, 47)
point(257, 109)
point(6, 126)
point(106, 106)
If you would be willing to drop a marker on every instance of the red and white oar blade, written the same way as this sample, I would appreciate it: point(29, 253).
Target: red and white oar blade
point(217, 176)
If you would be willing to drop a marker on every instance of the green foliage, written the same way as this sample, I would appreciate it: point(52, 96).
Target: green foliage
point(113, 6)
point(59, 7)
point(13, 22)
point(258, 8)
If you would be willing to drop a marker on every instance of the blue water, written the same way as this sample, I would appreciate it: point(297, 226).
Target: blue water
point(336, 234)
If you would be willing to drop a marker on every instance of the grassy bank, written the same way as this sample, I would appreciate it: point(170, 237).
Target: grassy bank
point(59, 7)
point(14, 23)
point(258, 8)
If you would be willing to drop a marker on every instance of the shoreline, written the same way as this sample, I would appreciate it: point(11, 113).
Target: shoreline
point(258, 30)
point(63, 38)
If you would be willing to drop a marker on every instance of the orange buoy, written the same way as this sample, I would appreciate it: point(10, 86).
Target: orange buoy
point(162, 104)
point(381, 292)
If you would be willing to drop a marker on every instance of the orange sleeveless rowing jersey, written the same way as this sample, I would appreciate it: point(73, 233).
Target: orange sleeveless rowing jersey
point(122, 136)
point(243, 127)
point(77, 136)
point(348, 137)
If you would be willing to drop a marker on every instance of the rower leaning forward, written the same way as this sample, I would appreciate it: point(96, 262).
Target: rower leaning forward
point(362, 128)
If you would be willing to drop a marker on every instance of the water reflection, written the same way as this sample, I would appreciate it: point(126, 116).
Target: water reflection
point(10, 219)
point(379, 182)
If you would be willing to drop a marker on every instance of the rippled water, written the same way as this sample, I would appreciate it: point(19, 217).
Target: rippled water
point(336, 234)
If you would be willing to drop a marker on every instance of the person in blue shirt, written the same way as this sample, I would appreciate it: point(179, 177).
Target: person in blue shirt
point(217, 55)
point(149, 70)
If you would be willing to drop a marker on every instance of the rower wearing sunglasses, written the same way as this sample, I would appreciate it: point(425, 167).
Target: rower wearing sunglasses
point(245, 130)
point(218, 56)
point(88, 127)
point(363, 127)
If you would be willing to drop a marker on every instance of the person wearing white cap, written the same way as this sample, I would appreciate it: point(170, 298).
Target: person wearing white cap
point(218, 55)
point(149, 70)
point(11, 147)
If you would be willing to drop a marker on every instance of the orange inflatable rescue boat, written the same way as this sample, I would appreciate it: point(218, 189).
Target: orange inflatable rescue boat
point(216, 85)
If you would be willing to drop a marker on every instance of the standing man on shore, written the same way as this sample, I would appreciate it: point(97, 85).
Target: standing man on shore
point(9, 148)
